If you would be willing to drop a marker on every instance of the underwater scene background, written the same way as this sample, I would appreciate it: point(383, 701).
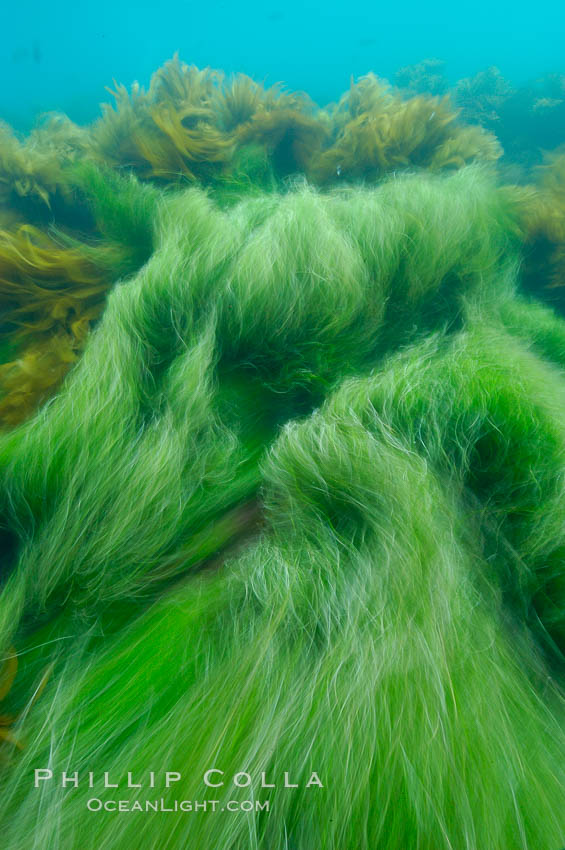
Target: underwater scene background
point(60, 56)
point(282, 427)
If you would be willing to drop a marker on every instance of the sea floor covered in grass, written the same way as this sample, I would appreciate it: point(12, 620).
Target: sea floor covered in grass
point(283, 481)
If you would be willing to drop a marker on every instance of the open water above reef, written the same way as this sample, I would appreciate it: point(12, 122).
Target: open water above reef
point(60, 56)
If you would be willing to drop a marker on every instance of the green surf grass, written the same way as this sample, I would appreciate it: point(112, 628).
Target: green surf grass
point(299, 508)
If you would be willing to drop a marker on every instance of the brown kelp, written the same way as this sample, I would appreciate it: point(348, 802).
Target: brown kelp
point(53, 284)
point(541, 208)
point(528, 120)
point(379, 132)
point(190, 122)
point(49, 296)
point(425, 77)
point(32, 170)
point(168, 132)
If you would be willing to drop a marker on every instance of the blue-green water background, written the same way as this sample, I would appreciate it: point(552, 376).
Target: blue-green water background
point(60, 55)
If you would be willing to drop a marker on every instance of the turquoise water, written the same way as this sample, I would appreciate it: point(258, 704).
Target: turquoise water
point(60, 56)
